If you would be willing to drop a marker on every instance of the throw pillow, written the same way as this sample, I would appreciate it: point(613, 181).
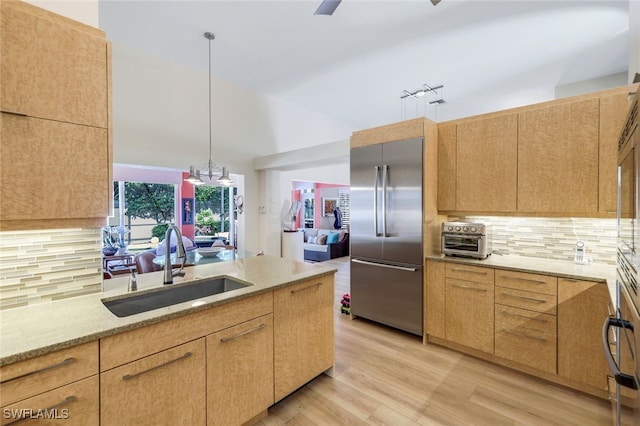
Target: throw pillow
point(332, 238)
point(312, 240)
point(322, 239)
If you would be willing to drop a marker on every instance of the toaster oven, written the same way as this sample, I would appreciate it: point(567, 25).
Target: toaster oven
point(466, 239)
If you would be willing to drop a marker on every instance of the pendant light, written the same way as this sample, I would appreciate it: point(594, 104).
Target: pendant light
point(195, 176)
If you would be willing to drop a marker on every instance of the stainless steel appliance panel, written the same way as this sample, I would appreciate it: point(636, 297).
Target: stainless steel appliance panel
point(402, 199)
point(388, 294)
point(621, 341)
point(364, 202)
point(386, 229)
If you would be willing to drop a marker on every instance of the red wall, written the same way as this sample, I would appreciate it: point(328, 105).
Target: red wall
point(187, 190)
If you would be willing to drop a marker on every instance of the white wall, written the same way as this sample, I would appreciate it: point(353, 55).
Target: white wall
point(634, 38)
point(160, 118)
point(592, 85)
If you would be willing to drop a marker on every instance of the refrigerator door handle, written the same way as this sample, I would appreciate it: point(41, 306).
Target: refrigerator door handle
point(375, 200)
point(382, 265)
point(385, 169)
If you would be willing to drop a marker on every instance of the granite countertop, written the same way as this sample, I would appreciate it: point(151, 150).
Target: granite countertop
point(34, 330)
point(560, 268)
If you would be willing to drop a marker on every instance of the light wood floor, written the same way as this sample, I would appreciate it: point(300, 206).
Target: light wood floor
point(387, 377)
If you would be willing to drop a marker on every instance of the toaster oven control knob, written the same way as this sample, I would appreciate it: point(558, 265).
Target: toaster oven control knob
point(465, 229)
point(449, 228)
point(473, 229)
point(457, 228)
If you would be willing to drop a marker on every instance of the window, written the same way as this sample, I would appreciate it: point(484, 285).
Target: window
point(141, 211)
point(212, 209)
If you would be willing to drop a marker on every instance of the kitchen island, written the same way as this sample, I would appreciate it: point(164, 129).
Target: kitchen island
point(222, 359)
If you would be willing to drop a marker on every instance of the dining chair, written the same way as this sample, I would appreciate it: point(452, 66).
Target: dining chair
point(144, 262)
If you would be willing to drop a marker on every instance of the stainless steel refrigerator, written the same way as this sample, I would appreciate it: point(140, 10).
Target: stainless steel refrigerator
point(386, 233)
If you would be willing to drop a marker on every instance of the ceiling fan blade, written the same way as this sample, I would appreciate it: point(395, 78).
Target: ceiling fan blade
point(327, 7)
point(435, 2)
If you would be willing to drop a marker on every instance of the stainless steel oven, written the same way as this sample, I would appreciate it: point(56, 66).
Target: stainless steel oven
point(621, 341)
point(466, 239)
point(621, 332)
point(629, 203)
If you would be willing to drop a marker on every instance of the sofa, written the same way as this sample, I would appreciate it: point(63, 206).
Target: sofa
point(325, 244)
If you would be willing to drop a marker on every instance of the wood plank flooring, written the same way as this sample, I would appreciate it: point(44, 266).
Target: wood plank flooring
point(387, 377)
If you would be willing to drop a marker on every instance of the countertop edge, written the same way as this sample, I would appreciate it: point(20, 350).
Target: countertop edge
point(179, 311)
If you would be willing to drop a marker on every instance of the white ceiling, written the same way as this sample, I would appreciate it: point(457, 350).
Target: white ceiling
point(354, 65)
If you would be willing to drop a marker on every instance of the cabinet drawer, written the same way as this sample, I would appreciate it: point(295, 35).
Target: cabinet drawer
point(33, 376)
point(135, 344)
point(168, 388)
point(75, 404)
point(526, 346)
point(528, 282)
point(477, 274)
point(517, 317)
point(538, 302)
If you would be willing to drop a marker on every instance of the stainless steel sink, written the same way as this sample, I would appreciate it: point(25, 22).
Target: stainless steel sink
point(171, 296)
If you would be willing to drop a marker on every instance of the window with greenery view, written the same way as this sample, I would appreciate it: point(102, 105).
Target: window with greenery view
point(212, 210)
point(149, 209)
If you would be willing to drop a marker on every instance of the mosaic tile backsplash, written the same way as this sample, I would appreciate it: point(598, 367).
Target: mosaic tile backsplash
point(45, 265)
point(552, 238)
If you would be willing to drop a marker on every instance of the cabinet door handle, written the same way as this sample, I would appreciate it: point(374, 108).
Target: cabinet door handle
point(318, 284)
point(524, 316)
point(384, 265)
point(244, 333)
point(21, 114)
point(468, 287)
point(66, 401)
point(41, 370)
point(515, 333)
point(528, 280)
point(530, 299)
point(133, 376)
point(376, 170)
point(469, 271)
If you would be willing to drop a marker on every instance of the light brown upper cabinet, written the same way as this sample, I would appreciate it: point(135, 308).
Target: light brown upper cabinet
point(558, 158)
point(487, 157)
point(447, 171)
point(52, 67)
point(55, 85)
point(52, 169)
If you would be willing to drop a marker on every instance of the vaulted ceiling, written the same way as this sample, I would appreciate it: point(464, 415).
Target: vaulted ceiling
point(355, 65)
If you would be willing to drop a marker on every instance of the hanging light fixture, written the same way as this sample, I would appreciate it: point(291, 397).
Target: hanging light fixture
point(195, 175)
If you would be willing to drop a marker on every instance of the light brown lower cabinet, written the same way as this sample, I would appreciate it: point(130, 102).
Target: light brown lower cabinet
point(240, 372)
point(541, 324)
point(166, 388)
point(526, 337)
point(469, 311)
point(581, 312)
point(303, 333)
point(75, 404)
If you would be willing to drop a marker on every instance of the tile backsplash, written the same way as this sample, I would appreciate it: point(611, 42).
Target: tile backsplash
point(44, 265)
point(552, 238)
